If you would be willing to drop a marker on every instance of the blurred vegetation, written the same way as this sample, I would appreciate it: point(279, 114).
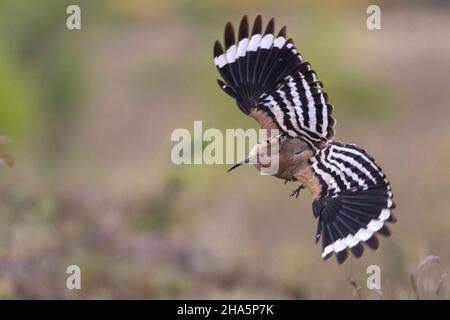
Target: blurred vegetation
point(90, 113)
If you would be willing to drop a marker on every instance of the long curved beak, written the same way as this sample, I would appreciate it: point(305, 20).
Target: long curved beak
point(246, 160)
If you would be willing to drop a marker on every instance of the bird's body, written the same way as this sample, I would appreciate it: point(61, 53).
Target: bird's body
point(292, 156)
point(352, 198)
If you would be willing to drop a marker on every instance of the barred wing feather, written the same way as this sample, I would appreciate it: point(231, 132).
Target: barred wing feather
point(264, 71)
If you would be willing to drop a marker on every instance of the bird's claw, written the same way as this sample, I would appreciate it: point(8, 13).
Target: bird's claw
point(296, 192)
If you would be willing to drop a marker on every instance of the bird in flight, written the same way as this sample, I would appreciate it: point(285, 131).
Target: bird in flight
point(270, 81)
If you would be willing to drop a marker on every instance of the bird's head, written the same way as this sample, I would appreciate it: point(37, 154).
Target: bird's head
point(264, 155)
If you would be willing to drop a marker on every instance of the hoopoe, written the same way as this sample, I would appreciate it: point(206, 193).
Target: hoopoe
point(264, 73)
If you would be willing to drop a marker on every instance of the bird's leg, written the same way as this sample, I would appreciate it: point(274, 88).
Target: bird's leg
point(296, 192)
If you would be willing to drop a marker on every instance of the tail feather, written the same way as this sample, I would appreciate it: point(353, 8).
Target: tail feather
point(355, 202)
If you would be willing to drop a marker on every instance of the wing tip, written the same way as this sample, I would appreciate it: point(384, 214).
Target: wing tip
point(282, 32)
point(243, 28)
point(270, 28)
point(229, 35)
point(218, 49)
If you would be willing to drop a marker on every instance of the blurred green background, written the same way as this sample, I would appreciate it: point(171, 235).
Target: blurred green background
point(91, 111)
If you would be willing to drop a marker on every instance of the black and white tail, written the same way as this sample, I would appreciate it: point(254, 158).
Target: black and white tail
point(355, 203)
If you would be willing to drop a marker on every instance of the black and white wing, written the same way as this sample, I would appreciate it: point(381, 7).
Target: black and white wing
point(355, 202)
point(264, 71)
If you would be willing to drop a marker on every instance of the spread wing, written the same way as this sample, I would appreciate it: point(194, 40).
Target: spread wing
point(271, 82)
point(355, 201)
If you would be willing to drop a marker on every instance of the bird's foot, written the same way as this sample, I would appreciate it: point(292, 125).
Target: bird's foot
point(296, 192)
point(286, 181)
